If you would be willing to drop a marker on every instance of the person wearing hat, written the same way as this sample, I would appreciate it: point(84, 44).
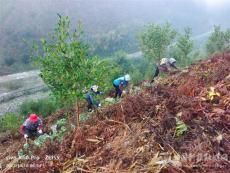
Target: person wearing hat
point(92, 103)
point(165, 65)
point(32, 126)
point(119, 83)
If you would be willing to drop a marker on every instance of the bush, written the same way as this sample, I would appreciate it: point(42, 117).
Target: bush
point(10, 122)
point(137, 77)
point(181, 128)
point(42, 107)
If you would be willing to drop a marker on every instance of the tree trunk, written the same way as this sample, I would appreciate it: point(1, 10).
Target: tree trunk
point(77, 109)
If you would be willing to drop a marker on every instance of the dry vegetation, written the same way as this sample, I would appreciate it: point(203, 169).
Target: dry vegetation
point(140, 134)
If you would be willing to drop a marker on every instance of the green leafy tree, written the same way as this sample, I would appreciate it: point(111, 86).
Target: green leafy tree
point(219, 41)
point(155, 41)
point(66, 66)
point(184, 46)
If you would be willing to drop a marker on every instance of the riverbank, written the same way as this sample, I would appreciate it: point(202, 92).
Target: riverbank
point(14, 105)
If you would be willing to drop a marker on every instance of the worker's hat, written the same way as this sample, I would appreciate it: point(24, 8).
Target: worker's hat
point(33, 118)
point(127, 77)
point(94, 88)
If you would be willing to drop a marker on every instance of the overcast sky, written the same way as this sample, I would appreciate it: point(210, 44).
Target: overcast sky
point(213, 4)
point(105, 15)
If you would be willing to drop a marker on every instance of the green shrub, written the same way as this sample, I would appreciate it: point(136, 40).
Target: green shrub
point(181, 127)
point(61, 122)
point(10, 122)
point(42, 107)
point(55, 135)
point(84, 116)
point(137, 77)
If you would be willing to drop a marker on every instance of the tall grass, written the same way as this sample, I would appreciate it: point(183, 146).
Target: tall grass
point(42, 107)
point(10, 122)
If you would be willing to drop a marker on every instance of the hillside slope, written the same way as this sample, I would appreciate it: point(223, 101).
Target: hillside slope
point(139, 134)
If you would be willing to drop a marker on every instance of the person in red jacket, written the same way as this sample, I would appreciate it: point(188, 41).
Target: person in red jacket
point(32, 127)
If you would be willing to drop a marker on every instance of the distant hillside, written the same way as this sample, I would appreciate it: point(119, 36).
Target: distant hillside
point(116, 21)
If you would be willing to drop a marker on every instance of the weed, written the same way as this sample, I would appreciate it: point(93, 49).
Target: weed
point(181, 127)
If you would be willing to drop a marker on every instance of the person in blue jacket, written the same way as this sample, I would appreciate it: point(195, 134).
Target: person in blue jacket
point(92, 103)
point(119, 83)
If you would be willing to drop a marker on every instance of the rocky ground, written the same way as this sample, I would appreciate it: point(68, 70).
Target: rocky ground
point(19, 87)
point(14, 105)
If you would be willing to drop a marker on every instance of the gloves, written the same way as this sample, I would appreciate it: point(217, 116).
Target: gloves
point(152, 81)
point(22, 129)
point(40, 131)
point(25, 136)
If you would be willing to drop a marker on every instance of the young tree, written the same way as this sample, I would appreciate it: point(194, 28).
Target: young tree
point(155, 41)
point(66, 66)
point(219, 41)
point(184, 46)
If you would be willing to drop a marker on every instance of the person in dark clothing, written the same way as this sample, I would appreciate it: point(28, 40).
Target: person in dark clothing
point(92, 103)
point(32, 127)
point(165, 65)
point(119, 83)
